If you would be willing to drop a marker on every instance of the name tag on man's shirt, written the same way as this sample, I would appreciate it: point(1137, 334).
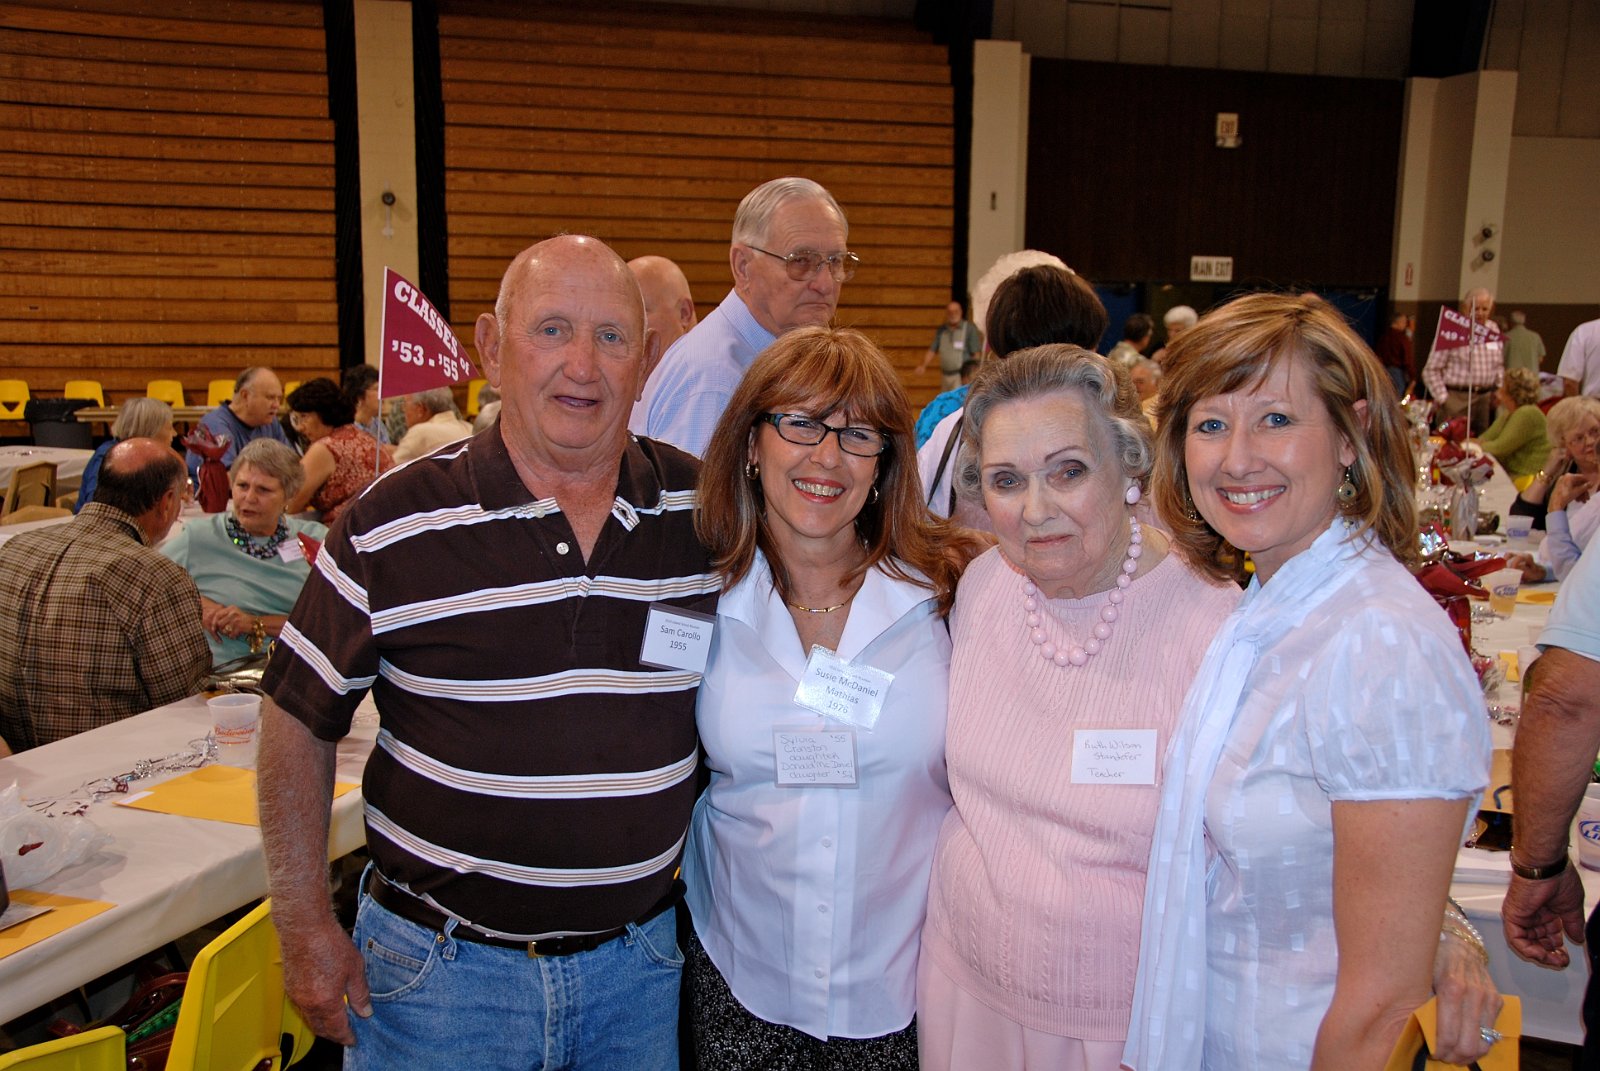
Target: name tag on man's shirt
point(675, 638)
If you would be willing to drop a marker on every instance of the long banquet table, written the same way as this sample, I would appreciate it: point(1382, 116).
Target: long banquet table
point(166, 875)
point(1551, 1000)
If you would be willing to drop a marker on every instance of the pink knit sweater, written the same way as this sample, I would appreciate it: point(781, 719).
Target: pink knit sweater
point(1038, 883)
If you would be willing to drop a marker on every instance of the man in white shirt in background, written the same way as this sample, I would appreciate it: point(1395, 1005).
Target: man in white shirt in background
point(789, 262)
point(431, 422)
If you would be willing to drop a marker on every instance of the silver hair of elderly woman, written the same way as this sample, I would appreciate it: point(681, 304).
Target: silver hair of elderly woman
point(274, 459)
point(1047, 370)
point(141, 418)
point(1565, 416)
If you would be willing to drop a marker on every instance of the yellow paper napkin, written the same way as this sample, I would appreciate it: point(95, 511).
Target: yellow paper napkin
point(217, 793)
point(65, 912)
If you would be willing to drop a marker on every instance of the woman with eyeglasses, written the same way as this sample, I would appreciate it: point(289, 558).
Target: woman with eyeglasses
point(342, 459)
point(821, 712)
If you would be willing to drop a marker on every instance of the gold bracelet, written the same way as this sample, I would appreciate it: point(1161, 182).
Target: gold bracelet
point(258, 636)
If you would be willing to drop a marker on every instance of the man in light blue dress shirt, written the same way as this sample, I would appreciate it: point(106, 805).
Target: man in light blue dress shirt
point(789, 262)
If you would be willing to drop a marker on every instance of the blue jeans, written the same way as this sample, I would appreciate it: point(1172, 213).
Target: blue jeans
point(440, 1002)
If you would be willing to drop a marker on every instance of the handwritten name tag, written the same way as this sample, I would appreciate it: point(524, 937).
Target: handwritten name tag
point(675, 638)
point(1114, 756)
point(814, 758)
point(836, 689)
point(290, 550)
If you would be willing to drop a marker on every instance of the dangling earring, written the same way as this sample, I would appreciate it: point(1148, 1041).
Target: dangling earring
point(1132, 495)
point(873, 497)
point(752, 471)
point(1188, 507)
point(1347, 490)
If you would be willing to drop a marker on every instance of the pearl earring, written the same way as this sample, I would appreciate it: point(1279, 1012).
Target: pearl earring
point(1132, 495)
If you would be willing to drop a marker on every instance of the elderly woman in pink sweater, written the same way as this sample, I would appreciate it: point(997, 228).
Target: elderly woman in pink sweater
point(1074, 644)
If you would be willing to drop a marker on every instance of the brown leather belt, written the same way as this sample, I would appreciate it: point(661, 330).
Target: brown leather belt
point(408, 907)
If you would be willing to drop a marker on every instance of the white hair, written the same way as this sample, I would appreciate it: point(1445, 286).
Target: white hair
point(1007, 265)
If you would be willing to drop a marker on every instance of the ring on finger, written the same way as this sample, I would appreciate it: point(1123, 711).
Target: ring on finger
point(1490, 1034)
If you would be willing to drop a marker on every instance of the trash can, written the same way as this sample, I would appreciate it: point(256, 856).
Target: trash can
point(53, 424)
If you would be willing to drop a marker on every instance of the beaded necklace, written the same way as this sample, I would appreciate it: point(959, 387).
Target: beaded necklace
point(266, 551)
point(1078, 654)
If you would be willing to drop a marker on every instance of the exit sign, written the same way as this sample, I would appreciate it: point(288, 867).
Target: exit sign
point(1211, 269)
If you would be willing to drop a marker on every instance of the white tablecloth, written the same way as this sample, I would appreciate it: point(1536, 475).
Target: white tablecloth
point(9, 530)
point(166, 875)
point(1552, 1001)
point(69, 463)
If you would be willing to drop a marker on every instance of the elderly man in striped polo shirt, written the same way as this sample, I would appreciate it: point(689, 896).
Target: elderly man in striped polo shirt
point(529, 794)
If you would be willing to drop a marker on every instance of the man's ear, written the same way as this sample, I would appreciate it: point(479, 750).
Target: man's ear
point(651, 358)
point(739, 264)
point(486, 337)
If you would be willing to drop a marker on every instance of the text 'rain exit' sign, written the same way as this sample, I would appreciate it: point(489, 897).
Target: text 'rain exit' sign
point(1211, 269)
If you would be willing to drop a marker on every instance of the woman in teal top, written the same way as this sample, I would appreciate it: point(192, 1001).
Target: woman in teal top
point(248, 561)
point(1517, 437)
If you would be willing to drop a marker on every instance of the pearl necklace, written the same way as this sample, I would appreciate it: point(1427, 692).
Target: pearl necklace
point(1076, 655)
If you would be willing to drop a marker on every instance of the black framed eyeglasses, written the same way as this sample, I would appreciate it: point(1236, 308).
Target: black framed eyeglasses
point(808, 431)
point(803, 264)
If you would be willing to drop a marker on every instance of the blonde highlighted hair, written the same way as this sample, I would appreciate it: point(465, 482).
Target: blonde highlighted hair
point(1235, 348)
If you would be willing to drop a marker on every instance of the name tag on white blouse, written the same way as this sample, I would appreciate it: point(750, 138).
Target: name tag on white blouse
point(836, 689)
point(814, 758)
point(675, 638)
point(1113, 756)
point(290, 550)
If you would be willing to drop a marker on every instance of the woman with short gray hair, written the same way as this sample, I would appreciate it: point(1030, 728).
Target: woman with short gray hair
point(1038, 878)
point(250, 560)
point(139, 418)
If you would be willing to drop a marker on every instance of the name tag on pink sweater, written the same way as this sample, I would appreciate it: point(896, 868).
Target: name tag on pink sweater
point(1113, 756)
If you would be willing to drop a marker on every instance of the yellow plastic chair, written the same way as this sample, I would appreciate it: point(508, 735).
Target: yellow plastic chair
point(85, 388)
point(166, 390)
point(219, 391)
point(474, 388)
point(31, 485)
point(13, 398)
point(94, 1050)
point(234, 1015)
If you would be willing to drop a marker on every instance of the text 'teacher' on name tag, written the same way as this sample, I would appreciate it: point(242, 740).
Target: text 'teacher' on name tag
point(675, 638)
point(1113, 756)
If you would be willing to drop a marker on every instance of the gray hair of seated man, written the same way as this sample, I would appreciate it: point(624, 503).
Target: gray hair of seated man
point(437, 400)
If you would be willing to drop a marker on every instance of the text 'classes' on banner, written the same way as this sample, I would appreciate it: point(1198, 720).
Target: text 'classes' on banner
point(1458, 329)
point(420, 352)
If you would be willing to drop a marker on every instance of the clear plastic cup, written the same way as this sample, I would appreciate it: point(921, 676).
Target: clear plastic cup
point(236, 721)
point(1502, 587)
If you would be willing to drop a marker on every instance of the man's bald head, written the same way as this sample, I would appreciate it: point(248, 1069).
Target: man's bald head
point(668, 302)
point(144, 479)
point(548, 259)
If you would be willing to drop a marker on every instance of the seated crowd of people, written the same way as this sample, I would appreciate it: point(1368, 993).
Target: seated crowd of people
point(1068, 739)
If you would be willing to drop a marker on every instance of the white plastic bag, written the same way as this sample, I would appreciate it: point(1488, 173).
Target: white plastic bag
point(34, 847)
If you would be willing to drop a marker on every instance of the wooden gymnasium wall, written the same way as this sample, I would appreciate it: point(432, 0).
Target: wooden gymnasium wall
point(166, 192)
point(645, 128)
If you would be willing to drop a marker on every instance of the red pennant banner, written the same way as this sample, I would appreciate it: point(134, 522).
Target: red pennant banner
point(420, 351)
point(1457, 329)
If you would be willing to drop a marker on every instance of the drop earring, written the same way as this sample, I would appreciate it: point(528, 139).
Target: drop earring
point(1347, 490)
point(1132, 495)
point(752, 471)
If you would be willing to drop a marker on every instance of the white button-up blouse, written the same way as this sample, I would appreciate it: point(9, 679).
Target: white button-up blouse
point(810, 901)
